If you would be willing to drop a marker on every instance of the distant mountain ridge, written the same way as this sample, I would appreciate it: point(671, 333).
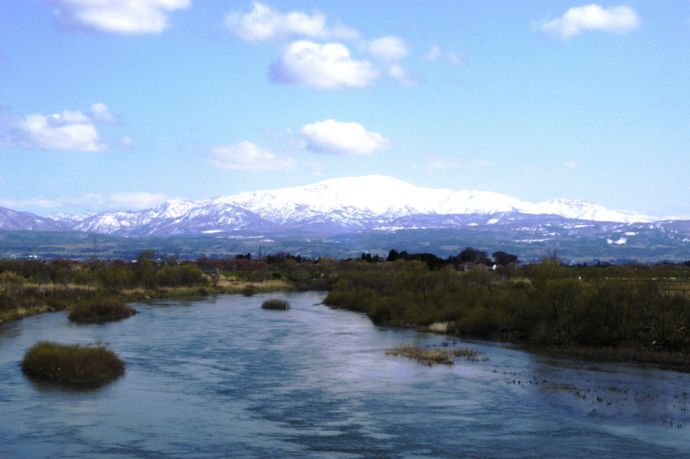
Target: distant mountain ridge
point(369, 203)
point(14, 220)
point(334, 206)
point(344, 217)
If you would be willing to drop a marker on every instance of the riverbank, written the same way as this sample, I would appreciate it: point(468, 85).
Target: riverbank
point(676, 361)
point(52, 298)
point(624, 313)
point(664, 360)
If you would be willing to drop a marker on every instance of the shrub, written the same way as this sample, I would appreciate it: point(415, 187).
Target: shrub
point(72, 364)
point(275, 304)
point(100, 310)
point(478, 321)
point(383, 310)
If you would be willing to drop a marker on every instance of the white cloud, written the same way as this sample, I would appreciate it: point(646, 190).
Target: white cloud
point(70, 117)
point(388, 48)
point(101, 112)
point(437, 54)
point(248, 156)
point(335, 137)
point(118, 16)
point(321, 66)
point(579, 19)
point(136, 200)
point(398, 72)
point(67, 131)
point(264, 23)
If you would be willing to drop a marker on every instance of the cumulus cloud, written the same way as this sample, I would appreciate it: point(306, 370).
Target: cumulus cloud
point(66, 131)
point(100, 112)
point(321, 66)
point(128, 17)
point(248, 156)
point(388, 48)
point(438, 54)
point(312, 61)
point(579, 19)
point(263, 23)
point(341, 138)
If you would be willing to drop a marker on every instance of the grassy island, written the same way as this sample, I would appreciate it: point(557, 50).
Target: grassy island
point(430, 356)
point(72, 364)
point(100, 310)
point(275, 304)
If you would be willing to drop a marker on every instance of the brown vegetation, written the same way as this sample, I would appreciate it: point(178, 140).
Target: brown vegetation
point(430, 356)
point(99, 310)
point(72, 364)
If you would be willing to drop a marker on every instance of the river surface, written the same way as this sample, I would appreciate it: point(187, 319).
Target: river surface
point(220, 377)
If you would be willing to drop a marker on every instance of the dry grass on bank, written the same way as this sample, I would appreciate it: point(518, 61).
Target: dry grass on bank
point(430, 356)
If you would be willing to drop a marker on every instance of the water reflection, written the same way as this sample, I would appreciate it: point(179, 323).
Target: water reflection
point(222, 377)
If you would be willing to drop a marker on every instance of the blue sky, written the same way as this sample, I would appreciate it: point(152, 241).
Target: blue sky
point(121, 104)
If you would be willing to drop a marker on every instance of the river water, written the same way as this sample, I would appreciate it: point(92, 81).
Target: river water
point(220, 377)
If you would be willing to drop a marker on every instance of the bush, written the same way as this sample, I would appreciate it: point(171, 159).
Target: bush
point(275, 304)
point(478, 321)
point(383, 310)
point(100, 310)
point(72, 364)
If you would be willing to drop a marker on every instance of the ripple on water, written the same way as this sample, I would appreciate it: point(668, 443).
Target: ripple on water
point(222, 377)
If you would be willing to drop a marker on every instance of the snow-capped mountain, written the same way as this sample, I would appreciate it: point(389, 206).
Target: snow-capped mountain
point(172, 218)
point(13, 220)
point(344, 217)
point(338, 206)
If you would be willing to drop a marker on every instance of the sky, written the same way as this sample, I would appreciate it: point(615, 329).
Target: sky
point(122, 104)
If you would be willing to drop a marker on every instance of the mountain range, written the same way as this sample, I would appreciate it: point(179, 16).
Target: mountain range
point(372, 205)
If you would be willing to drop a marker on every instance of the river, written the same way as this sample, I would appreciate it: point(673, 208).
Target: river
point(220, 377)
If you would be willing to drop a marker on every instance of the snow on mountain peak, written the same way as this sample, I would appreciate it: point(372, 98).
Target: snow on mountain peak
point(384, 195)
point(353, 202)
point(584, 210)
point(174, 208)
point(374, 195)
